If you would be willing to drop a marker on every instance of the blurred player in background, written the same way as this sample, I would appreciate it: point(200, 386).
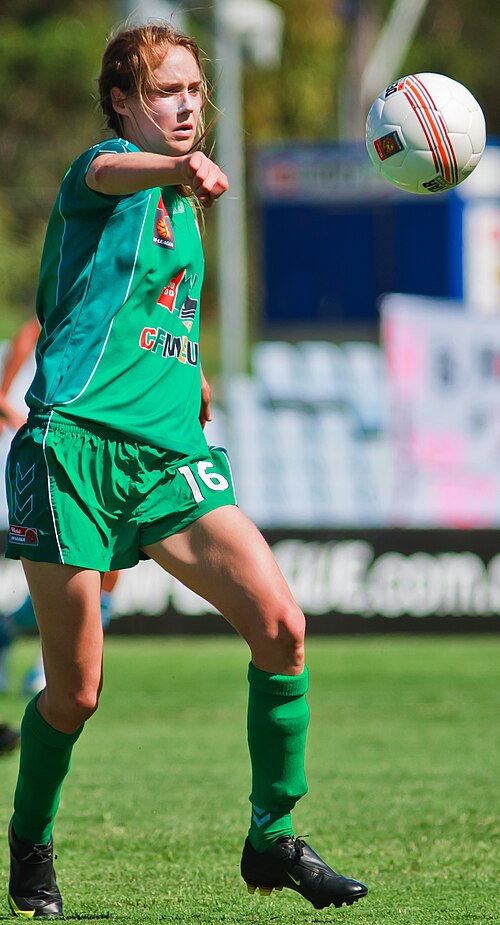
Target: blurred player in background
point(18, 368)
point(113, 464)
point(23, 620)
point(17, 373)
point(9, 739)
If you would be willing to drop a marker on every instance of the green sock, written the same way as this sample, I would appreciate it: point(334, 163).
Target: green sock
point(278, 717)
point(44, 763)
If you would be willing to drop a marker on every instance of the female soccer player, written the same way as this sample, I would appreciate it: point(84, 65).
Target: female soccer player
point(113, 463)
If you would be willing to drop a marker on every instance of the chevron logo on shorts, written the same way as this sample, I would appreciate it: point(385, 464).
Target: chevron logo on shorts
point(23, 503)
point(24, 479)
point(22, 511)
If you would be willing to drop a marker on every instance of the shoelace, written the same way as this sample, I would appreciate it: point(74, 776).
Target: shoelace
point(299, 845)
point(302, 839)
point(39, 853)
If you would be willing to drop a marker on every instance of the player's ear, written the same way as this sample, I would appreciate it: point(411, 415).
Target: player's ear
point(119, 101)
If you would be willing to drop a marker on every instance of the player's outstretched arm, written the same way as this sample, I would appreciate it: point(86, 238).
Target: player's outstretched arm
point(123, 174)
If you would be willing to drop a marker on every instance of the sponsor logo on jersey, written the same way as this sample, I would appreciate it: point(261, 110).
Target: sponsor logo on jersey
point(157, 340)
point(27, 536)
point(163, 234)
point(168, 297)
point(188, 311)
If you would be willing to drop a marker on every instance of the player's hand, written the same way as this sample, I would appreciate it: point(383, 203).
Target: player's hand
point(205, 178)
point(205, 412)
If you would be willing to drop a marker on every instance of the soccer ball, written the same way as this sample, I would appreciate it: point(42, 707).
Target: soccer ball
point(425, 133)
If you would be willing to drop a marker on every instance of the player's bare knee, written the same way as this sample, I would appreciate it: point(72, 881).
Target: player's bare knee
point(279, 640)
point(292, 623)
point(82, 704)
point(291, 633)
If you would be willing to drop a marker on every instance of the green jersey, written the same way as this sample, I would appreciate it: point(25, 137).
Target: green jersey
point(119, 305)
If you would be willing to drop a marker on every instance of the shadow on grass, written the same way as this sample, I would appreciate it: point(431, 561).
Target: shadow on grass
point(84, 917)
point(87, 917)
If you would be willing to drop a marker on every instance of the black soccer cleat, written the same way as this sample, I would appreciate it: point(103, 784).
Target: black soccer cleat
point(292, 863)
point(33, 889)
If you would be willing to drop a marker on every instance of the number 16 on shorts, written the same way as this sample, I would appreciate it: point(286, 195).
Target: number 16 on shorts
point(206, 475)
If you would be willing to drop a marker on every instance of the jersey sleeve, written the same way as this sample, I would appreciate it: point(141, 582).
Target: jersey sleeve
point(77, 196)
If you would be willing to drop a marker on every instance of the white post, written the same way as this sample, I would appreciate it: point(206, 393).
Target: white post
point(393, 42)
point(254, 27)
point(143, 10)
point(231, 208)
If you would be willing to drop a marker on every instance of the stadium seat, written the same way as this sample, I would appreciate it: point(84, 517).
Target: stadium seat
point(276, 366)
point(366, 378)
point(324, 372)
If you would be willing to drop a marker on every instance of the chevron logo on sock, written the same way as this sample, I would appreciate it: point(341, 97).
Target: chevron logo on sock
point(260, 816)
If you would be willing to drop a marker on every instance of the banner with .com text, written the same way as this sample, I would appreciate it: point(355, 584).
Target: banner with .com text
point(345, 581)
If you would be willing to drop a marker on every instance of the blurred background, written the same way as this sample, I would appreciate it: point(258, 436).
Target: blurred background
point(351, 332)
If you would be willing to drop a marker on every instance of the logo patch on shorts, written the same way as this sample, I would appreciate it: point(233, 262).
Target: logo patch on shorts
point(27, 536)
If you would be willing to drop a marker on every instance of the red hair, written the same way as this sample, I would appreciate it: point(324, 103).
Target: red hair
point(131, 56)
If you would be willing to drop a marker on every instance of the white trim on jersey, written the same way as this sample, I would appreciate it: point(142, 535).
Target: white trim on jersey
point(59, 205)
point(89, 380)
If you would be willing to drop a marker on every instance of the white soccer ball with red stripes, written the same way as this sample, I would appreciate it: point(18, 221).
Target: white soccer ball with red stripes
point(425, 133)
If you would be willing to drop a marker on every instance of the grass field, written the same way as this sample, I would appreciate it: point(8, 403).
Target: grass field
point(403, 768)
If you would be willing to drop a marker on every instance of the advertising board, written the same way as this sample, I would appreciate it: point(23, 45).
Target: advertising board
point(345, 581)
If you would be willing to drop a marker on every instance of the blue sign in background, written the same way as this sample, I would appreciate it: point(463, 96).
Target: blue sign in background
point(335, 237)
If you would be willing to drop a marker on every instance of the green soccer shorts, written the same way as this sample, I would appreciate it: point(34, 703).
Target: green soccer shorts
point(86, 496)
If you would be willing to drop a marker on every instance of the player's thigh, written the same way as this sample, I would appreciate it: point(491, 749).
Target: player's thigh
point(224, 558)
point(66, 600)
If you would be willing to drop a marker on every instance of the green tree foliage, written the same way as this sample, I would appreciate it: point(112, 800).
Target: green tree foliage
point(50, 54)
point(461, 38)
point(298, 99)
